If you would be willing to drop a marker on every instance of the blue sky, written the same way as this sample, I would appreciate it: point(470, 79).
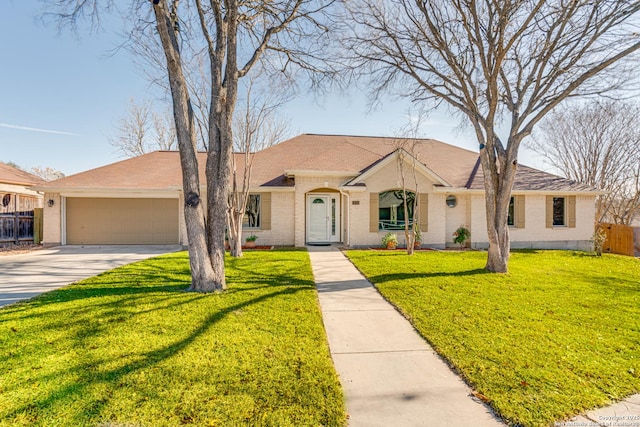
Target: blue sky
point(61, 95)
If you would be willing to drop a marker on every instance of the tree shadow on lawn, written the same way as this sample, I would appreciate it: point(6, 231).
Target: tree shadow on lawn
point(112, 304)
point(276, 278)
point(109, 312)
point(162, 274)
point(613, 287)
point(382, 278)
point(528, 251)
point(144, 361)
point(152, 279)
point(98, 289)
point(112, 292)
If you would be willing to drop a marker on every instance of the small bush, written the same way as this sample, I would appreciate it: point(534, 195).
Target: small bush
point(461, 235)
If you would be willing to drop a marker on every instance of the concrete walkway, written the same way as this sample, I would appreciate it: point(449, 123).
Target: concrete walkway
point(390, 375)
point(27, 275)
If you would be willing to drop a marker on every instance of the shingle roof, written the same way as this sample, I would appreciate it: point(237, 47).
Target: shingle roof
point(152, 171)
point(11, 175)
point(308, 152)
point(530, 179)
point(355, 154)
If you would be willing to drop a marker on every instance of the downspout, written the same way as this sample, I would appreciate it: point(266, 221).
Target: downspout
point(348, 230)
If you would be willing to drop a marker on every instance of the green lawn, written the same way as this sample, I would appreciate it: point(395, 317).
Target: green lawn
point(557, 335)
point(131, 348)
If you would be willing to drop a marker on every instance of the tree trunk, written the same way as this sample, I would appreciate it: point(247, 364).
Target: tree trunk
point(236, 206)
point(410, 239)
point(202, 273)
point(499, 174)
point(409, 235)
point(236, 246)
point(499, 248)
point(217, 172)
point(224, 88)
point(234, 222)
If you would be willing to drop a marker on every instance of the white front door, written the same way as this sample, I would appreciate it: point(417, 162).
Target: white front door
point(323, 218)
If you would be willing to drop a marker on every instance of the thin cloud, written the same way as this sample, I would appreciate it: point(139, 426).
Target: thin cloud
point(30, 129)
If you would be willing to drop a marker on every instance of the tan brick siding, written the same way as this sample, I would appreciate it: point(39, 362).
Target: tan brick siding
point(535, 229)
point(52, 223)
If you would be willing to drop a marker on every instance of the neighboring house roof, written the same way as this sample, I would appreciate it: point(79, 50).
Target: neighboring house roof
point(331, 154)
point(11, 175)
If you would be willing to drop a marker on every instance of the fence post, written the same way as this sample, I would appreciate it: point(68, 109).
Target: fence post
point(16, 220)
point(38, 222)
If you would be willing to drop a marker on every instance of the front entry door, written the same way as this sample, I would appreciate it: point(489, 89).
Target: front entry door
point(323, 218)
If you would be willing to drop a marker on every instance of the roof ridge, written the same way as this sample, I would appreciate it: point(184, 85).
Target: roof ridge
point(363, 148)
point(473, 174)
point(366, 136)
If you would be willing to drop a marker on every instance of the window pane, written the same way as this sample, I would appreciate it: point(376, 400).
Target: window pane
point(252, 213)
point(558, 211)
point(512, 212)
point(452, 201)
point(391, 209)
point(333, 217)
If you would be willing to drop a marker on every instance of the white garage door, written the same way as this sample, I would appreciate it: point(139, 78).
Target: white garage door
point(94, 221)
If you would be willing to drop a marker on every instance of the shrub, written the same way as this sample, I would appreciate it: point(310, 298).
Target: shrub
point(598, 239)
point(461, 235)
point(390, 240)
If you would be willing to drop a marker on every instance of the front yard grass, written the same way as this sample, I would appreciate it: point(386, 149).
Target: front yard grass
point(131, 348)
point(557, 335)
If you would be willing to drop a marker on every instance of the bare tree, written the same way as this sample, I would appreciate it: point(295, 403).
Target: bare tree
point(598, 144)
point(234, 36)
point(47, 173)
point(407, 161)
point(164, 131)
point(142, 130)
point(256, 127)
point(498, 64)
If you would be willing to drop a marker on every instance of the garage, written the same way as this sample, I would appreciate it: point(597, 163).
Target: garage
point(113, 221)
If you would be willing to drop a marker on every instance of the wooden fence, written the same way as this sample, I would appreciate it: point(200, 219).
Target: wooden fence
point(619, 239)
point(17, 219)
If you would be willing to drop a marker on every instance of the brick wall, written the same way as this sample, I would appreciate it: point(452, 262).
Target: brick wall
point(535, 234)
point(52, 222)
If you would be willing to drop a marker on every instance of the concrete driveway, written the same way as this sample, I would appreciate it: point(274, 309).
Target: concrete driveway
point(27, 275)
